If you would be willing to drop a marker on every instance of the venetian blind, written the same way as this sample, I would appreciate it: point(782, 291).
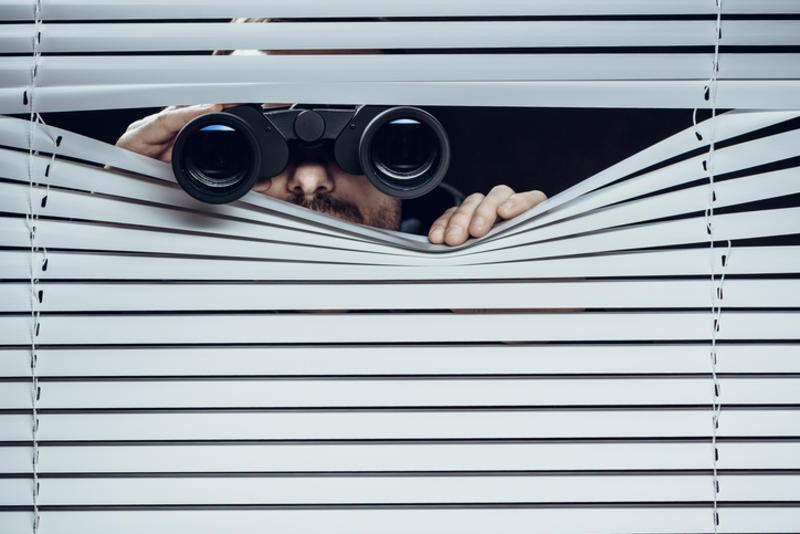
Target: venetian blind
point(161, 366)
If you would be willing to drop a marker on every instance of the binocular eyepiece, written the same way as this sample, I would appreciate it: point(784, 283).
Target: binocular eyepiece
point(218, 157)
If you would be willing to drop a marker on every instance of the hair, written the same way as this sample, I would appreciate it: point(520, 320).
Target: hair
point(238, 20)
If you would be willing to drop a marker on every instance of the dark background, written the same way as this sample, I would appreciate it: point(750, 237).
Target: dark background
point(526, 148)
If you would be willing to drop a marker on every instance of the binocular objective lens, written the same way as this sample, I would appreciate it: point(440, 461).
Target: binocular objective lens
point(218, 156)
point(405, 148)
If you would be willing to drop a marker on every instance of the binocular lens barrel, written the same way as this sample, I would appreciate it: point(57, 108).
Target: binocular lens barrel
point(404, 149)
point(217, 156)
point(404, 152)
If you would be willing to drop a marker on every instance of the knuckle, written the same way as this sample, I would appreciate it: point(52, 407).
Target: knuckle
point(501, 189)
point(486, 211)
point(461, 219)
point(473, 198)
point(446, 215)
point(443, 218)
point(161, 117)
point(135, 124)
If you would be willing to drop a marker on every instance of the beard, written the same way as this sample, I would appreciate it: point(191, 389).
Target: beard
point(387, 214)
point(330, 206)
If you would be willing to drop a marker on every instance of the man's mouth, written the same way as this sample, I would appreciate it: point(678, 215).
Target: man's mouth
point(330, 206)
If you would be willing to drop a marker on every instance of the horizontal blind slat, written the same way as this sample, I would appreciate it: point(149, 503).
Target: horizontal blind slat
point(343, 393)
point(90, 266)
point(424, 521)
point(421, 425)
point(67, 71)
point(283, 458)
point(656, 94)
point(394, 328)
point(544, 359)
point(176, 9)
point(404, 489)
point(158, 36)
point(94, 297)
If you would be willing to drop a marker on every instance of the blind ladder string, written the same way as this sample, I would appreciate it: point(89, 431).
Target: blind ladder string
point(710, 94)
point(31, 223)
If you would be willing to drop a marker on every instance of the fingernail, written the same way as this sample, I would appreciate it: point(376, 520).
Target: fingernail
point(479, 221)
point(508, 204)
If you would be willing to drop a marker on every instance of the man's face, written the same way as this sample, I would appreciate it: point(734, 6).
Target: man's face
point(314, 180)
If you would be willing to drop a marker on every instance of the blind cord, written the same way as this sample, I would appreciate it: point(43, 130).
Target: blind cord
point(31, 222)
point(710, 94)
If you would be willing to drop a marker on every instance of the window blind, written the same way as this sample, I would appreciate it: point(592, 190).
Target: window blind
point(622, 358)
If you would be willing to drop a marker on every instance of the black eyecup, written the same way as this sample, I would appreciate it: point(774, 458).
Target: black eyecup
point(372, 171)
point(197, 189)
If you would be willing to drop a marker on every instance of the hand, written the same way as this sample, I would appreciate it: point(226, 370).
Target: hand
point(478, 214)
point(154, 135)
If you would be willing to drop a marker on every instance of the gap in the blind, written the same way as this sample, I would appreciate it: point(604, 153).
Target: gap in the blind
point(549, 149)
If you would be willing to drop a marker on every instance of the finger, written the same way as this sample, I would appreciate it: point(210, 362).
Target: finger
point(274, 105)
point(152, 135)
point(519, 203)
point(436, 233)
point(456, 232)
point(169, 122)
point(166, 155)
point(486, 213)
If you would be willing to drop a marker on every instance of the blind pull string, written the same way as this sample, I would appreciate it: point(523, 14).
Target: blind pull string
point(36, 294)
point(710, 95)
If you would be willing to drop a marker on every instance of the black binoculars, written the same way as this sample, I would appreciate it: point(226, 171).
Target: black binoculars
point(402, 150)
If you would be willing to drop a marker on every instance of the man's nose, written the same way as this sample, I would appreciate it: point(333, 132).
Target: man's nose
point(310, 178)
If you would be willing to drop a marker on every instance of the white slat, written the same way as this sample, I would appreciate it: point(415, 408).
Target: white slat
point(286, 458)
point(416, 425)
point(674, 520)
point(657, 94)
point(176, 9)
point(365, 360)
point(398, 490)
point(395, 328)
point(127, 37)
point(91, 266)
point(55, 71)
point(539, 295)
point(389, 521)
point(396, 393)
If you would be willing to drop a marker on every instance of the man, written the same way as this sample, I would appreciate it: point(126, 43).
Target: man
point(315, 181)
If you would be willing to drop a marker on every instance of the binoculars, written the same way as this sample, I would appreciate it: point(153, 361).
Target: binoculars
point(402, 150)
